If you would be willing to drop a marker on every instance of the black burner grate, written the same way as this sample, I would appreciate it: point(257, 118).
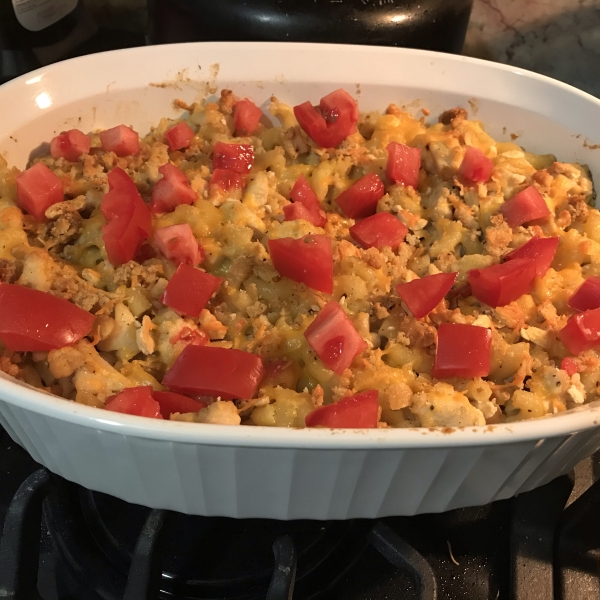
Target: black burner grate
point(116, 550)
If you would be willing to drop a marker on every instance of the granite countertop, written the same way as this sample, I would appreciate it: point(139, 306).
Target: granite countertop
point(559, 38)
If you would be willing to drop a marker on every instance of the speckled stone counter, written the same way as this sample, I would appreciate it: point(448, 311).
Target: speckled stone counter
point(559, 38)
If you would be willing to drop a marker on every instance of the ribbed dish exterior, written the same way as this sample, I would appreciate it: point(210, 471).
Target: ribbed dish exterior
point(280, 483)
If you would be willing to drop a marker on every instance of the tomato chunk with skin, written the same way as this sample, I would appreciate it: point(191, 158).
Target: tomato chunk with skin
point(246, 117)
point(502, 284)
point(528, 205)
point(38, 188)
point(582, 331)
point(462, 351)
point(475, 166)
point(541, 250)
point(332, 122)
point(378, 231)
point(587, 295)
point(361, 198)
point(171, 191)
point(403, 164)
point(70, 145)
point(171, 402)
point(121, 140)
point(177, 243)
point(235, 157)
point(355, 412)
point(423, 295)
point(189, 290)
point(128, 220)
point(226, 180)
point(569, 365)
point(31, 320)
point(308, 260)
point(180, 136)
point(305, 205)
point(135, 401)
point(213, 371)
point(334, 338)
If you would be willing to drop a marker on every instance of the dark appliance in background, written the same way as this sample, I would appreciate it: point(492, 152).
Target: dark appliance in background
point(428, 24)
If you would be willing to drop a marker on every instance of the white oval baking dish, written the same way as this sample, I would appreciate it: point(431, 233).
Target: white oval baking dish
point(276, 473)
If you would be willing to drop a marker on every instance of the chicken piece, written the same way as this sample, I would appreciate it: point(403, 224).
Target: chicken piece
point(94, 379)
point(443, 406)
point(218, 413)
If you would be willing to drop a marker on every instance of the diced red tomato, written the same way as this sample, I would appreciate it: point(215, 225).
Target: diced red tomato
point(246, 117)
point(196, 337)
point(31, 320)
point(354, 412)
point(541, 250)
point(128, 220)
point(189, 290)
point(528, 205)
point(502, 284)
point(333, 337)
point(70, 145)
point(569, 365)
point(476, 166)
point(333, 122)
point(403, 164)
point(177, 243)
point(235, 157)
point(171, 191)
point(213, 371)
point(180, 136)
point(135, 401)
point(582, 331)
point(121, 140)
point(361, 198)
point(306, 204)
point(226, 180)
point(308, 260)
point(378, 231)
point(170, 402)
point(280, 371)
point(462, 351)
point(423, 295)
point(38, 188)
point(587, 295)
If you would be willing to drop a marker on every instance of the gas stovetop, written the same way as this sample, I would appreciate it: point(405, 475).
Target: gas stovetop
point(78, 544)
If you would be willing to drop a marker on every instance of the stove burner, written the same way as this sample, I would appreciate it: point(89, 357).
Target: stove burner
point(120, 551)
